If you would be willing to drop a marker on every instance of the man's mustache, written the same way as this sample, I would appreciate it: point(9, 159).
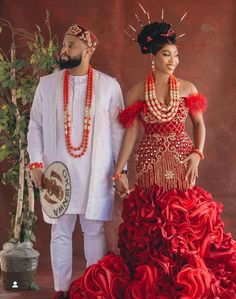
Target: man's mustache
point(64, 56)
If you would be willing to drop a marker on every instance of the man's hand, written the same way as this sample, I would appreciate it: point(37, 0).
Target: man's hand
point(36, 175)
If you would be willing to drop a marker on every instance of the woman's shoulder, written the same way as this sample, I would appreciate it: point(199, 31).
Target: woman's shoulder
point(135, 93)
point(194, 101)
point(134, 103)
point(186, 88)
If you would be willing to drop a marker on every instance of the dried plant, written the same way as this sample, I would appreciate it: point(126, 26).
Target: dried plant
point(30, 56)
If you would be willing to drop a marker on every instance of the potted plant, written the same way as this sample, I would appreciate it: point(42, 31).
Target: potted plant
point(29, 57)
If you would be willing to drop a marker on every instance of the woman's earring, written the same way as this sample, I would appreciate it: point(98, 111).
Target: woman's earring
point(153, 65)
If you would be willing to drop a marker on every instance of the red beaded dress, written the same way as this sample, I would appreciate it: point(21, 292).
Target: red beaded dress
point(172, 241)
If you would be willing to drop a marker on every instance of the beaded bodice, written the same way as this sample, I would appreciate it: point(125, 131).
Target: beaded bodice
point(164, 144)
point(176, 125)
point(161, 150)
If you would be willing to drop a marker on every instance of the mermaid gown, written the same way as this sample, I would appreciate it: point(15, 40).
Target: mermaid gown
point(172, 241)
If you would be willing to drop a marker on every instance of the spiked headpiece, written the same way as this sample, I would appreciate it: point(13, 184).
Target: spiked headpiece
point(168, 33)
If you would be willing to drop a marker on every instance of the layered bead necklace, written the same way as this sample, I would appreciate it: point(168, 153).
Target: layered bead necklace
point(161, 112)
point(79, 151)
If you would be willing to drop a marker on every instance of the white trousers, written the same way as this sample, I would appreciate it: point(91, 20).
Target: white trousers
point(61, 246)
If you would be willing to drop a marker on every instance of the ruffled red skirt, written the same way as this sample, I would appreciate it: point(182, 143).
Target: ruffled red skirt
point(172, 245)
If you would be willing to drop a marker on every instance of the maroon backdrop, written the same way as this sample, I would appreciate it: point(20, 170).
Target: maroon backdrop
point(207, 58)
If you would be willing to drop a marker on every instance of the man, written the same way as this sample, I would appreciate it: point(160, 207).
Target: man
point(74, 120)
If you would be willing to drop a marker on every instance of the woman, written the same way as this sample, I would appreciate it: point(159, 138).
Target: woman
point(171, 241)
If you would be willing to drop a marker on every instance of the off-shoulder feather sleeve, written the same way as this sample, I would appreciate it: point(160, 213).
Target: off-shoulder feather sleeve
point(196, 103)
point(128, 115)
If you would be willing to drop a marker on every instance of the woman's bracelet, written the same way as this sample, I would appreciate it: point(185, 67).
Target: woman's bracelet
point(35, 165)
point(197, 151)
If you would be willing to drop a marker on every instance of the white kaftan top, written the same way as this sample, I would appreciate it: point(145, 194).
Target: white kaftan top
point(79, 168)
point(92, 192)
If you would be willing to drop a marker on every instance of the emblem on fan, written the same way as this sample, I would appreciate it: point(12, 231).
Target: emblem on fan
point(56, 191)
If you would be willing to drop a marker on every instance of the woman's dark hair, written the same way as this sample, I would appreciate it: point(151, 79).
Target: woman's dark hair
point(151, 40)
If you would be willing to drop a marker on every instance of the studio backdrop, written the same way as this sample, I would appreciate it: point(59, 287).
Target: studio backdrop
point(207, 58)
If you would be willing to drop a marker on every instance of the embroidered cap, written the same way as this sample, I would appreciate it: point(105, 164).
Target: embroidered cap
point(86, 36)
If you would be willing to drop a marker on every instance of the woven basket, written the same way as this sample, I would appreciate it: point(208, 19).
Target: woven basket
point(18, 266)
point(14, 281)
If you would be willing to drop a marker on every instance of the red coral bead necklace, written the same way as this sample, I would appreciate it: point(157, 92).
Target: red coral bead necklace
point(79, 151)
point(161, 112)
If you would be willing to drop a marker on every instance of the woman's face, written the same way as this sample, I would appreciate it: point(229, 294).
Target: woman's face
point(167, 59)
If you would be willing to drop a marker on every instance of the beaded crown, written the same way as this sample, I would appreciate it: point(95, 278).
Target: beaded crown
point(85, 35)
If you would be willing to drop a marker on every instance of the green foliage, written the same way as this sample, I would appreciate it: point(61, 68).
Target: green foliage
point(19, 77)
point(28, 226)
point(11, 176)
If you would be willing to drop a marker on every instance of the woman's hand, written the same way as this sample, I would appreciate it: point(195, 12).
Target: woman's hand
point(192, 162)
point(36, 175)
point(122, 185)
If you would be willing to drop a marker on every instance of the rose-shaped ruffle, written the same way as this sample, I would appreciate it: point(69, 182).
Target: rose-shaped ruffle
point(194, 279)
point(175, 226)
point(174, 246)
point(107, 278)
point(144, 283)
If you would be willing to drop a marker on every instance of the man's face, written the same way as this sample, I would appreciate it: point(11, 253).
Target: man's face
point(71, 52)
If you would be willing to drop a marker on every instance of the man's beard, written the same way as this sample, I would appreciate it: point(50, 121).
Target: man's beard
point(70, 63)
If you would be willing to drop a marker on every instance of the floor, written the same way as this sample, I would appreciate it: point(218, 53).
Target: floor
point(43, 280)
